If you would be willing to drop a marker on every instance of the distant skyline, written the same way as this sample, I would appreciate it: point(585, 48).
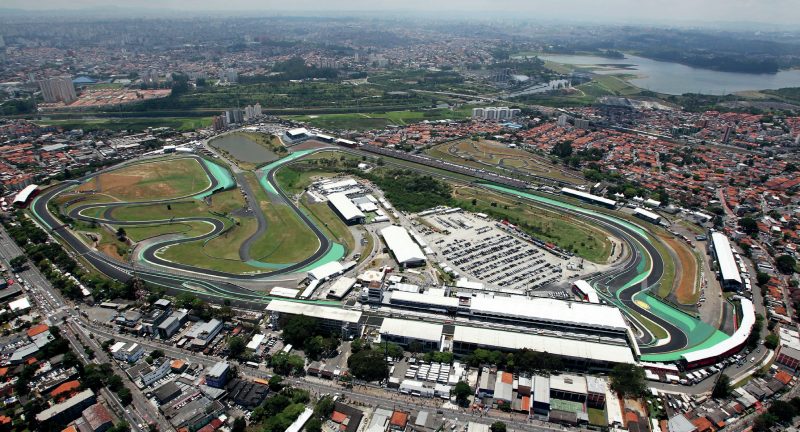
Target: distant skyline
point(694, 12)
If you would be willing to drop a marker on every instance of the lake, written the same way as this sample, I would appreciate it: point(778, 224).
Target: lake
point(244, 149)
point(675, 78)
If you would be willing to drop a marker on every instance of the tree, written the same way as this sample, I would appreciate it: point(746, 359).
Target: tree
point(764, 422)
point(498, 426)
point(18, 262)
point(121, 233)
point(748, 225)
point(628, 379)
point(314, 425)
point(298, 329)
point(722, 388)
point(783, 411)
point(562, 149)
point(368, 365)
point(462, 392)
point(771, 341)
point(156, 353)
point(785, 264)
point(276, 383)
point(287, 364)
point(239, 424)
point(236, 346)
point(125, 396)
point(120, 427)
point(324, 407)
point(762, 278)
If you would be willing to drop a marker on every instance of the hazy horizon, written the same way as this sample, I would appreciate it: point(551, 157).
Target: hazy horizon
point(711, 12)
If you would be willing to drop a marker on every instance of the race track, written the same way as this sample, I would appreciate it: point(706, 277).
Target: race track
point(623, 286)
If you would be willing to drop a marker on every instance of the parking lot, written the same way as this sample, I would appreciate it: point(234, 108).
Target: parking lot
point(484, 250)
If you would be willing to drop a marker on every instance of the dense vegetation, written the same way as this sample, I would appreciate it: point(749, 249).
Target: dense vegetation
point(279, 411)
point(412, 192)
point(304, 331)
point(628, 379)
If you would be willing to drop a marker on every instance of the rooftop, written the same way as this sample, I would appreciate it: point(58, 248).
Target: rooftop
point(595, 350)
point(401, 244)
point(412, 329)
point(321, 312)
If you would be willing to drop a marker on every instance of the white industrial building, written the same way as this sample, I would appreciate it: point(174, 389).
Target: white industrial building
point(405, 250)
point(729, 276)
point(298, 134)
point(404, 332)
point(345, 208)
point(333, 318)
point(22, 197)
point(647, 215)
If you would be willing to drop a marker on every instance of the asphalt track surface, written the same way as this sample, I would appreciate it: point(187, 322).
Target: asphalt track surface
point(206, 284)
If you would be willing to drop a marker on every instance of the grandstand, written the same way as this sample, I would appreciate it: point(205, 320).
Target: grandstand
point(25, 195)
point(592, 199)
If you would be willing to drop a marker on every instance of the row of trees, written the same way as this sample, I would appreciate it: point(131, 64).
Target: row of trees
point(53, 261)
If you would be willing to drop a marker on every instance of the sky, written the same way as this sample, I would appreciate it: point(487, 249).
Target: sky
point(770, 12)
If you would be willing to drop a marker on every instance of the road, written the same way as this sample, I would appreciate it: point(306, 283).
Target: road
point(366, 395)
point(55, 308)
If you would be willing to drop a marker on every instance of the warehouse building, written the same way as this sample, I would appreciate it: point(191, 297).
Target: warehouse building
point(405, 332)
point(345, 208)
point(204, 332)
point(298, 134)
point(729, 276)
point(405, 250)
point(332, 318)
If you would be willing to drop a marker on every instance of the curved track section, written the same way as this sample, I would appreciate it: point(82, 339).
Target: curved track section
point(150, 255)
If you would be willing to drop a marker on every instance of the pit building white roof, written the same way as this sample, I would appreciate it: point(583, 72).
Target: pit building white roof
point(403, 248)
point(345, 206)
point(316, 311)
point(419, 330)
point(552, 310)
point(554, 345)
point(326, 270)
point(727, 264)
point(588, 196)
